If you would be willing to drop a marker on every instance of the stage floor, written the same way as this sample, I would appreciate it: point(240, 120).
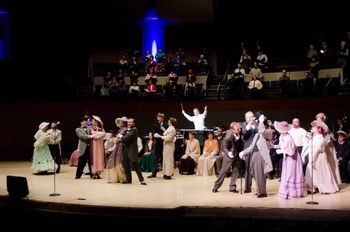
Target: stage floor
point(182, 190)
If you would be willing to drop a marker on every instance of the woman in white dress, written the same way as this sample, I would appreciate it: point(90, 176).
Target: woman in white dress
point(321, 176)
point(168, 148)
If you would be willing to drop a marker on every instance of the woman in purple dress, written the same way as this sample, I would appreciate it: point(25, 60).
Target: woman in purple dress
point(292, 179)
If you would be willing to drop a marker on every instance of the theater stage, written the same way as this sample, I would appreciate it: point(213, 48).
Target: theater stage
point(182, 197)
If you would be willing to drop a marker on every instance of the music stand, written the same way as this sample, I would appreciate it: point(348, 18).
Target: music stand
point(312, 202)
point(54, 194)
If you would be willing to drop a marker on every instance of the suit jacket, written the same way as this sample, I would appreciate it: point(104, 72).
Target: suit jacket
point(261, 141)
point(84, 140)
point(156, 129)
point(248, 135)
point(231, 144)
point(56, 137)
point(130, 141)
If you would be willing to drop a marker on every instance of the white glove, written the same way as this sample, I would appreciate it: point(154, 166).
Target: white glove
point(230, 154)
point(261, 118)
point(241, 154)
point(162, 128)
point(247, 126)
point(280, 151)
point(276, 146)
point(120, 136)
point(156, 135)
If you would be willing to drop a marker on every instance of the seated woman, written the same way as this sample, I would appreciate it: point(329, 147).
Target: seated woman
point(189, 159)
point(147, 159)
point(207, 160)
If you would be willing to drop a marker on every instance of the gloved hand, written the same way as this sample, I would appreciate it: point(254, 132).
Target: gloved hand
point(156, 135)
point(230, 154)
point(261, 118)
point(241, 154)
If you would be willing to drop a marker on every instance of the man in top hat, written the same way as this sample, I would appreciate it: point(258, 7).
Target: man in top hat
point(343, 155)
point(158, 128)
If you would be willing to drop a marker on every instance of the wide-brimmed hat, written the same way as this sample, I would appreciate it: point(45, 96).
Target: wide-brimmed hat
point(320, 124)
point(97, 118)
point(341, 132)
point(282, 127)
point(43, 125)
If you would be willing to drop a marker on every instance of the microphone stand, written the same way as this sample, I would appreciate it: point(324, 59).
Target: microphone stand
point(54, 194)
point(312, 202)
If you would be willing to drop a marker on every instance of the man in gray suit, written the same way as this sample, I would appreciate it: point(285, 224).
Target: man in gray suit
point(84, 136)
point(232, 144)
point(130, 154)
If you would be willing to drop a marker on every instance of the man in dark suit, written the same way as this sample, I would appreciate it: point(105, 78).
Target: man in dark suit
point(159, 127)
point(84, 136)
point(130, 154)
point(232, 144)
point(249, 129)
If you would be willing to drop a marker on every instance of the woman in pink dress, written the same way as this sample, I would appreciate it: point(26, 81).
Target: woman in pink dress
point(292, 179)
point(98, 150)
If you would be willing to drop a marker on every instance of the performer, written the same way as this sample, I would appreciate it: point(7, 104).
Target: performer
point(168, 148)
point(249, 129)
point(292, 179)
point(189, 160)
point(197, 119)
point(42, 159)
point(260, 164)
point(55, 144)
point(130, 154)
point(158, 128)
point(322, 177)
point(231, 145)
point(84, 136)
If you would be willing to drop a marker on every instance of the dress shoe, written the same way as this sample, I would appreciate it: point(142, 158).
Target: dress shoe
point(262, 195)
point(77, 178)
point(214, 190)
point(143, 183)
point(234, 191)
point(126, 182)
point(152, 176)
point(247, 191)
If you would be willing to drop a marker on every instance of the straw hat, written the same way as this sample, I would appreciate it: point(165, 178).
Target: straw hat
point(320, 124)
point(282, 127)
point(43, 125)
point(97, 118)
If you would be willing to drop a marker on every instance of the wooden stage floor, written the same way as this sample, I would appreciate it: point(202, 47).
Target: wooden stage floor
point(192, 193)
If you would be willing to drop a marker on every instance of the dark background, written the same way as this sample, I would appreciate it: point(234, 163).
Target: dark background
point(51, 40)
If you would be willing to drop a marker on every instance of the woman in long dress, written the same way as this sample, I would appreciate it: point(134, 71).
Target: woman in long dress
point(168, 148)
point(42, 160)
point(207, 160)
point(98, 150)
point(147, 159)
point(292, 180)
point(115, 169)
point(322, 176)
